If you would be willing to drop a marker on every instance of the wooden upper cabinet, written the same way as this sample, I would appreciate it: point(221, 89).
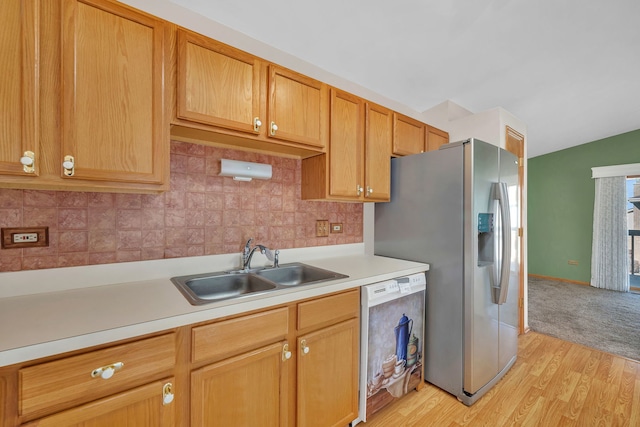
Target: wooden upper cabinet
point(346, 155)
point(378, 141)
point(19, 86)
point(297, 108)
point(357, 167)
point(436, 138)
point(409, 135)
point(216, 84)
point(113, 119)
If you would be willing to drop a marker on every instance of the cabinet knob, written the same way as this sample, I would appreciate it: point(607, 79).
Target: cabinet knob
point(369, 191)
point(28, 162)
point(106, 372)
point(304, 347)
point(286, 354)
point(256, 124)
point(167, 394)
point(273, 128)
point(359, 189)
point(68, 166)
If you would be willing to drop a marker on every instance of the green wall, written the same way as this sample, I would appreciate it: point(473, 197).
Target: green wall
point(560, 204)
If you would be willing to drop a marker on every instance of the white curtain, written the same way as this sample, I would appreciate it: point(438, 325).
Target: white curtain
point(609, 256)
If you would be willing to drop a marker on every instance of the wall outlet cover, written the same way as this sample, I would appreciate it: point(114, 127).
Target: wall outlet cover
point(24, 237)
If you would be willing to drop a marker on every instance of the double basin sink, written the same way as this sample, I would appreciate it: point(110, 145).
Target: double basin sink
point(212, 287)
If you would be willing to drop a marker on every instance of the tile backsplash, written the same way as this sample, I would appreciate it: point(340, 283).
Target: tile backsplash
point(202, 214)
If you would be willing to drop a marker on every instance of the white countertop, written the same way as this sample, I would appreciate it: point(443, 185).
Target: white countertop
point(74, 314)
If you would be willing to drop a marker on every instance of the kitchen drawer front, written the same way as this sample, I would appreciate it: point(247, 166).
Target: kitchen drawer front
point(223, 339)
point(328, 310)
point(67, 382)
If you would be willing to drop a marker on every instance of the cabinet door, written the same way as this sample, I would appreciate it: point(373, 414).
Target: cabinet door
point(436, 138)
point(140, 407)
point(217, 84)
point(296, 108)
point(246, 390)
point(112, 76)
point(328, 376)
point(18, 85)
point(346, 158)
point(408, 135)
point(378, 140)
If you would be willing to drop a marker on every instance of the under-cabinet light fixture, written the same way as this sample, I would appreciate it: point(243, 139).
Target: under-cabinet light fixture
point(244, 171)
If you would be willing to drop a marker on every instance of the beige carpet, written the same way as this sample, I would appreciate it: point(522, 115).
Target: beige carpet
point(598, 318)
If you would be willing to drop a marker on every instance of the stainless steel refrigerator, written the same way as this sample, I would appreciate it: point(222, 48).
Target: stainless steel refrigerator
point(457, 209)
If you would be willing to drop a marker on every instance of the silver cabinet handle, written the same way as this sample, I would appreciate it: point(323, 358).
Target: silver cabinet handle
point(273, 128)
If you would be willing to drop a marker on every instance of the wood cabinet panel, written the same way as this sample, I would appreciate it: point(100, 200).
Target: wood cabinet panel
point(326, 310)
point(346, 143)
point(436, 138)
point(68, 382)
point(378, 141)
point(328, 376)
point(112, 75)
point(19, 47)
point(246, 390)
point(409, 135)
point(217, 85)
point(140, 407)
point(229, 337)
point(297, 106)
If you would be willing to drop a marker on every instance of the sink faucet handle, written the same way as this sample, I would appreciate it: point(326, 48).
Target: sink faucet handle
point(247, 247)
point(276, 261)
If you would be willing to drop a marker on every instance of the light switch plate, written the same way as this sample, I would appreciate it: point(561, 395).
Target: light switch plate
point(322, 228)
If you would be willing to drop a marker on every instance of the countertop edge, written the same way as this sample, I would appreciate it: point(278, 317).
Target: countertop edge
point(58, 346)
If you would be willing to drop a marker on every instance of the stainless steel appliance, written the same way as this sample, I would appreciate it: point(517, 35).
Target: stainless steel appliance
point(456, 209)
point(391, 341)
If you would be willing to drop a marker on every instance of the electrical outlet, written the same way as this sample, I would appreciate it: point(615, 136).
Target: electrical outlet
point(336, 227)
point(26, 237)
point(322, 228)
point(572, 262)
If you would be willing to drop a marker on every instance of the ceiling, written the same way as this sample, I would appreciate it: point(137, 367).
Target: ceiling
point(570, 70)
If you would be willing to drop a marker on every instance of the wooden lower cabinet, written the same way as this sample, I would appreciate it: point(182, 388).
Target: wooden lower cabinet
point(327, 389)
point(246, 390)
point(140, 407)
point(290, 365)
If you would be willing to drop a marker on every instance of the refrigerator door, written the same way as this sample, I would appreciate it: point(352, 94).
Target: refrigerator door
point(424, 222)
point(482, 262)
point(508, 311)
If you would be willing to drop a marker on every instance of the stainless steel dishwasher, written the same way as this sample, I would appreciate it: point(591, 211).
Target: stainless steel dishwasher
point(391, 341)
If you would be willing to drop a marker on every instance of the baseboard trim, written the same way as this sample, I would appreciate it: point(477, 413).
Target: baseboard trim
point(558, 279)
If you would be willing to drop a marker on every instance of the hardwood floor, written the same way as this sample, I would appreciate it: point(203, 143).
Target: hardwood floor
point(553, 383)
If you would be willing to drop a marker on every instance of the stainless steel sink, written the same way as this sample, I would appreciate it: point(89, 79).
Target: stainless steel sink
point(296, 274)
point(211, 287)
point(203, 289)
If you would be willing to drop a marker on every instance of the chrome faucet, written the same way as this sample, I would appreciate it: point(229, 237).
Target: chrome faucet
point(247, 254)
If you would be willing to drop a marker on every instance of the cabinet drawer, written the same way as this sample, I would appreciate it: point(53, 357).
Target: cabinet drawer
point(69, 381)
point(328, 310)
point(229, 337)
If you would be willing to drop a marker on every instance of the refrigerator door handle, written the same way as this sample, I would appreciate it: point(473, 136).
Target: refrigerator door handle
point(500, 193)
